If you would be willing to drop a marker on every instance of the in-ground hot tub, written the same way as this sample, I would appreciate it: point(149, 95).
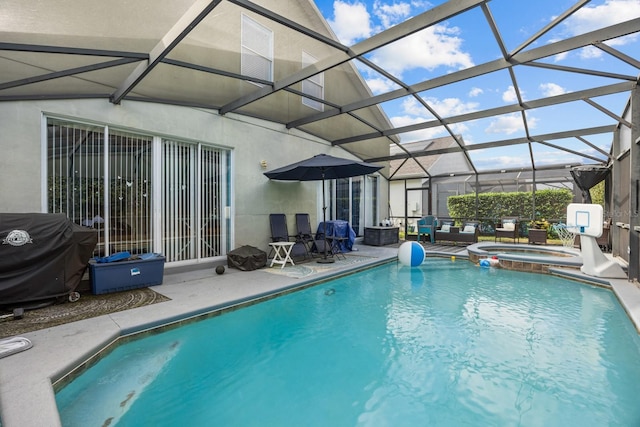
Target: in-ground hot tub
point(534, 258)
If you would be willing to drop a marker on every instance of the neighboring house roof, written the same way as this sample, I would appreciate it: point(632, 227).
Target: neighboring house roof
point(435, 164)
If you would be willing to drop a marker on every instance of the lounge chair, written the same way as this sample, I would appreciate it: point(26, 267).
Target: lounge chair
point(427, 225)
point(280, 233)
point(508, 228)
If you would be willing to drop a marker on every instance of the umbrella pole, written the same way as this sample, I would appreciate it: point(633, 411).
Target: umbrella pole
point(324, 259)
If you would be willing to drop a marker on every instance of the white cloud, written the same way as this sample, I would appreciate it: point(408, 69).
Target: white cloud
point(411, 107)
point(391, 14)
point(381, 85)
point(414, 112)
point(476, 91)
point(430, 48)
point(508, 125)
point(561, 56)
point(590, 52)
point(436, 46)
point(556, 157)
point(351, 22)
point(446, 107)
point(590, 18)
point(509, 95)
point(551, 89)
point(419, 135)
point(611, 12)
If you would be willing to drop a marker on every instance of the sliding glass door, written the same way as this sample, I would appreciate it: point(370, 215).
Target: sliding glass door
point(350, 202)
point(105, 178)
point(193, 202)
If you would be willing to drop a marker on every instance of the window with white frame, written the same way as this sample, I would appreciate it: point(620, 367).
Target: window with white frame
point(313, 86)
point(256, 50)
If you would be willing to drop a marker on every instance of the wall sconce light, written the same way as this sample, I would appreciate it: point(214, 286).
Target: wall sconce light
point(263, 164)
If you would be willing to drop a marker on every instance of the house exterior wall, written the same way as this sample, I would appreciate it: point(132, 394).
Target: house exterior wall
point(250, 140)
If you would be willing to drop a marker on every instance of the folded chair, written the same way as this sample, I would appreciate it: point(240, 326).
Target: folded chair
point(280, 233)
point(336, 243)
point(305, 234)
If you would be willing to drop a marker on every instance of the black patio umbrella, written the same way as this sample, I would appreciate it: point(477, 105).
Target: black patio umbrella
point(321, 167)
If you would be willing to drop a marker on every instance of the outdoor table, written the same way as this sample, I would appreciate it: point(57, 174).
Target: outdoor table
point(282, 253)
point(537, 236)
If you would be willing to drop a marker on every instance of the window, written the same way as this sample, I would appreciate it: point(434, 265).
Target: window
point(313, 86)
point(256, 50)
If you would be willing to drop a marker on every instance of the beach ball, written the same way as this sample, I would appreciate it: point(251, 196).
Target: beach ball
point(485, 263)
point(411, 254)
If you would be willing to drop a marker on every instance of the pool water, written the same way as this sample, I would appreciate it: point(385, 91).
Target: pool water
point(444, 344)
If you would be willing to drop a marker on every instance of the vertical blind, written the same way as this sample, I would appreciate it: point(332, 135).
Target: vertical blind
point(102, 178)
point(193, 202)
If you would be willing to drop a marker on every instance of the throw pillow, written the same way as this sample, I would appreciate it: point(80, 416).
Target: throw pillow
point(469, 229)
point(445, 228)
point(509, 226)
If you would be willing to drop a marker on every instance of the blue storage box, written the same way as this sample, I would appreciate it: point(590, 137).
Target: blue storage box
point(124, 275)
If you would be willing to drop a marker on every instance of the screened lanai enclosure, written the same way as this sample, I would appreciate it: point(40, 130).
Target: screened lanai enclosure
point(454, 98)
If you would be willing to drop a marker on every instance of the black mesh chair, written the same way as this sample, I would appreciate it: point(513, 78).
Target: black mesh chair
point(280, 233)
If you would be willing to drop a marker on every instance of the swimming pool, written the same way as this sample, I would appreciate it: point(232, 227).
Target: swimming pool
point(444, 344)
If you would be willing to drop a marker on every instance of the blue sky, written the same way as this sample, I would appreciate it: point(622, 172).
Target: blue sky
point(466, 40)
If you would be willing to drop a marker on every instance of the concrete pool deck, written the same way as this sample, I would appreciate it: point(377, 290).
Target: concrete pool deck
point(26, 394)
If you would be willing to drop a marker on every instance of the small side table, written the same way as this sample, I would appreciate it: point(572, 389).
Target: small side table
point(282, 253)
point(537, 236)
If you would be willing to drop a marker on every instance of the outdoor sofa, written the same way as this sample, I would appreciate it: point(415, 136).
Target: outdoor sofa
point(447, 232)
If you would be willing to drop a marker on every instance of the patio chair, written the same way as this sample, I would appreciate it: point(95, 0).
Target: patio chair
point(333, 242)
point(427, 225)
point(280, 233)
point(604, 241)
point(305, 234)
point(508, 228)
point(336, 243)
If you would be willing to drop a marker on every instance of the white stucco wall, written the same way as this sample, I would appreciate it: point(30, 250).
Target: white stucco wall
point(251, 141)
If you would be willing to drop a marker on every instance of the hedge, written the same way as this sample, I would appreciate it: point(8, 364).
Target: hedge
point(550, 204)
